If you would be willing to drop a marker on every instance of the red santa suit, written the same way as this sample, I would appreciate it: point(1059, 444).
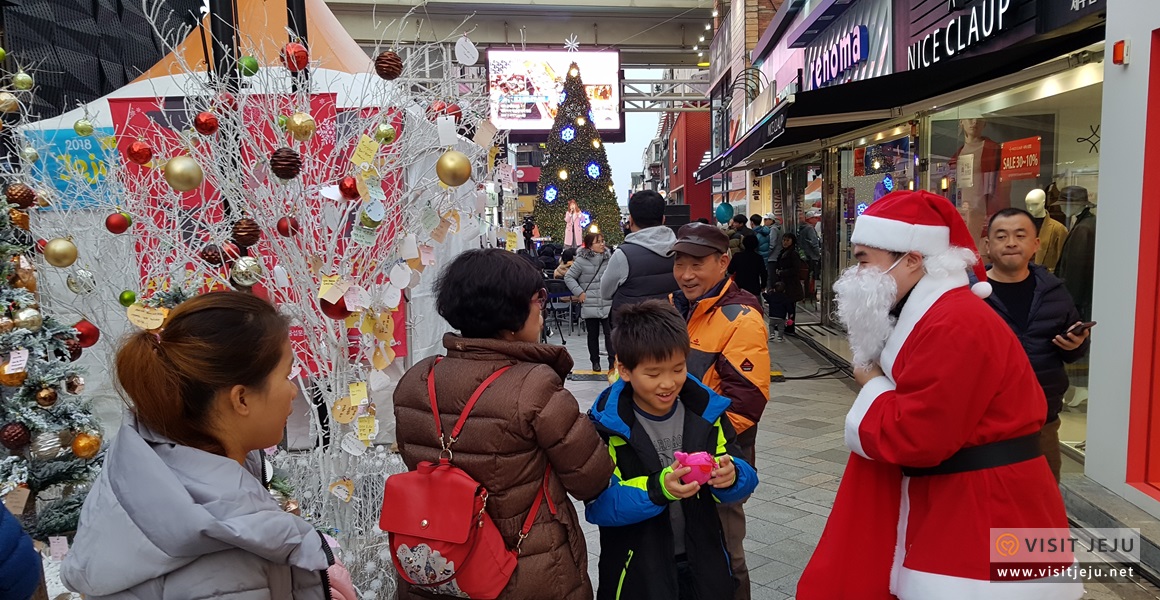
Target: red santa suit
point(955, 378)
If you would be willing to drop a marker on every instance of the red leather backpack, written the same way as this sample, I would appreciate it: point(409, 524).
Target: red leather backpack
point(441, 537)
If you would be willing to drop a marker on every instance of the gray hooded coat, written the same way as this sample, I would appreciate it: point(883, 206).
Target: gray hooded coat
point(165, 521)
point(583, 277)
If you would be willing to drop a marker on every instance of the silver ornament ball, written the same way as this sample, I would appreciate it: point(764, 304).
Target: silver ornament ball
point(81, 282)
point(46, 446)
point(246, 272)
point(28, 318)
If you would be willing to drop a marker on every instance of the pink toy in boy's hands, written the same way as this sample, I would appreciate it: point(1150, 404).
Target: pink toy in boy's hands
point(701, 463)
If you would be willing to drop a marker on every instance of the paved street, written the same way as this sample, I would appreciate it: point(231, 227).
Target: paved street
point(800, 458)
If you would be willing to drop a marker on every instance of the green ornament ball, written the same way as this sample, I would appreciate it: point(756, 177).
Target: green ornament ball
point(128, 298)
point(248, 66)
point(22, 81)
point(83, 127)
point(283, 120)
point(3, 54)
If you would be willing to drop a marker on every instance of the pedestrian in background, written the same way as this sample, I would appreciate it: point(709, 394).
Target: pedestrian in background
point(642, 267)
point(788, 267)
point(748, 268)
point(1037, 307)
point(585, 274)
point(780, 309)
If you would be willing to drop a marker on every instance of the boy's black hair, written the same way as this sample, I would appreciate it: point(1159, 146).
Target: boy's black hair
point(750, 242)
point(649, 331)
point(740, 219)
point(647, 209)
point(779, 287)
point(1011, 212)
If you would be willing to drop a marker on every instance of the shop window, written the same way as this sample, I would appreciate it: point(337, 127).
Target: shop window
point(990, 154)
point(529, 188)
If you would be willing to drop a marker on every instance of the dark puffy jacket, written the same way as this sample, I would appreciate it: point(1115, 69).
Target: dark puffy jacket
point(636, 534)
point(525, 421)
point(19, 561)
point(1052, 313)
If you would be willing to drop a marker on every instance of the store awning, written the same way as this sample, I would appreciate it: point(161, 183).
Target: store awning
point(834, 111)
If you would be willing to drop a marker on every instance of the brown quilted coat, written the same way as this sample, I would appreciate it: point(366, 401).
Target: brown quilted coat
point(523, 422)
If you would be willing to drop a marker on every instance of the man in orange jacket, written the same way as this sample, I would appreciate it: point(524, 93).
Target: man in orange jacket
point(729, 353)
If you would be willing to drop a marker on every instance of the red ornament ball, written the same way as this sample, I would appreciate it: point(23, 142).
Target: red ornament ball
point(225, 102)
point(74, 349)
point(211, 254)
point(40, 244)
point(295, 57)
point(337, 310)
point(88, 334)
point(118, 222)
point(139, 152)
point(206, 123)
point(231, 252)
point(436, 109)
point(15, 436)
point(455, 112)
point(348, 187)
point(288, 227)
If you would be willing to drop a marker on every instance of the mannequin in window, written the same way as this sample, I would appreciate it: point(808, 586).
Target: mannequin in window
point(1052, 233)
point(1077, 259)
point(976, 168)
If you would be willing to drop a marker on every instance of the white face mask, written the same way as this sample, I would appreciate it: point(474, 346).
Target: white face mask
point(864, 298)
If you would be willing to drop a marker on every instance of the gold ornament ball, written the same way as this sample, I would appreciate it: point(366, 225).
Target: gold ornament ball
point(183, 173)
point(60, 252)
point(86, 445)
point(7, 324)
point(11, 379)
point(453, 168)
point(83, 127)
point(28, 318)
point(301, 126)
point(43, 199)
point(19, 218)
point(9, 103)
point(46, 397)
point(385, 134)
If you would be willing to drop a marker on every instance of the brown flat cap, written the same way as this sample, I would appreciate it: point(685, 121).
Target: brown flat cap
point(701, 239)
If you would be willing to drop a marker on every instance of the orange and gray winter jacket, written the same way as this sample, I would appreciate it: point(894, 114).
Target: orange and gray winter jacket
point(729, 349)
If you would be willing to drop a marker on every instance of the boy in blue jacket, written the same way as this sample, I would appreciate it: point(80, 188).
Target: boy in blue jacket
point(660, 538)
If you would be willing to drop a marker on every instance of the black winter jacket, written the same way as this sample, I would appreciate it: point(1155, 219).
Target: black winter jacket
point(1052, 313)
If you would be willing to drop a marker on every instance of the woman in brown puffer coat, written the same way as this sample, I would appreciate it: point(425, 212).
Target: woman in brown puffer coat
point(525, 420)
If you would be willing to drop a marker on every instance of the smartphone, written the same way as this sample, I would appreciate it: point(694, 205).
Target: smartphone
point(1081, 328)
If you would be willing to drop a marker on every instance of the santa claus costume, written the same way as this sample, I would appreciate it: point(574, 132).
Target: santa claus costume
point(945, 444)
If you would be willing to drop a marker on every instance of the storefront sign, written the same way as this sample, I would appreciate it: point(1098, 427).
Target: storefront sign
point(840, 56)
point(984, 20)
point(856, 45)
point(1021, 159)
point(1055, 14)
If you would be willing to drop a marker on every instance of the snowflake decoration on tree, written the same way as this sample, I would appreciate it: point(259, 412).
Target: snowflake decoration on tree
point(568, 134)
point(572, 44)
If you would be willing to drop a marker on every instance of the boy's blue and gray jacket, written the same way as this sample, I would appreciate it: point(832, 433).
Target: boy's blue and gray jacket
point(636, 536)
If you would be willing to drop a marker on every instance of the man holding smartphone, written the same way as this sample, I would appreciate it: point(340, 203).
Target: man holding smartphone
point(1039, 310)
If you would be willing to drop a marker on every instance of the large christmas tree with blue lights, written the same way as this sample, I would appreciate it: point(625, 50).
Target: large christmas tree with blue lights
point(576, 168)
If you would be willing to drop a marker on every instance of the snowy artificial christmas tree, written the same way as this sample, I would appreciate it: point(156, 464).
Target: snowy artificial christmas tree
point(576, 168)
point(52, 440)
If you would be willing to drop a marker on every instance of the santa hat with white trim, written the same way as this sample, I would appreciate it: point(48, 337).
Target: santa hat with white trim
point(922, 222)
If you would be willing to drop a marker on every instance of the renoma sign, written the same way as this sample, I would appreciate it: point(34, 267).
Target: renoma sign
point(985, 19)
point(852, 48)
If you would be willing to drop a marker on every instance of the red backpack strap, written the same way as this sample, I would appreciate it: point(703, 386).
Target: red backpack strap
point(446, 443)
point(540, 497)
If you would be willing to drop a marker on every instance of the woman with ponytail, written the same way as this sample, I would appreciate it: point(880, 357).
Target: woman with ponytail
point(181, 509)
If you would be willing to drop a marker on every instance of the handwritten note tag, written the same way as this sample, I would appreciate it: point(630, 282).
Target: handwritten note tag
point(439, 234)
point(363, 236)
point(368, 426)
point(368, 324)
point(281, 278)
point(16, 361)
point(356, 298)
point(379, 360)
point(365, 152)
point(333, 288)
point(352, 444)
point(465, 51)
point(513, 241)
point(410, 247)
point(427, 255)
point(400, 275)
point(385, 327)
point(147, 317)
point(364, 189)
point(430, 219)
point(344, 410)
point(58, 545)
point(392, 296)
point(343, 489)
point(485, 134)
point(358, 392)
point(15, 500)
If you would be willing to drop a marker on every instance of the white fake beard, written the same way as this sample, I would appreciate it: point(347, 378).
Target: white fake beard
point(864, 298)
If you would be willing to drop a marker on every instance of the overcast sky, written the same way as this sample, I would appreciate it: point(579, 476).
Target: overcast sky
point(640, 128)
